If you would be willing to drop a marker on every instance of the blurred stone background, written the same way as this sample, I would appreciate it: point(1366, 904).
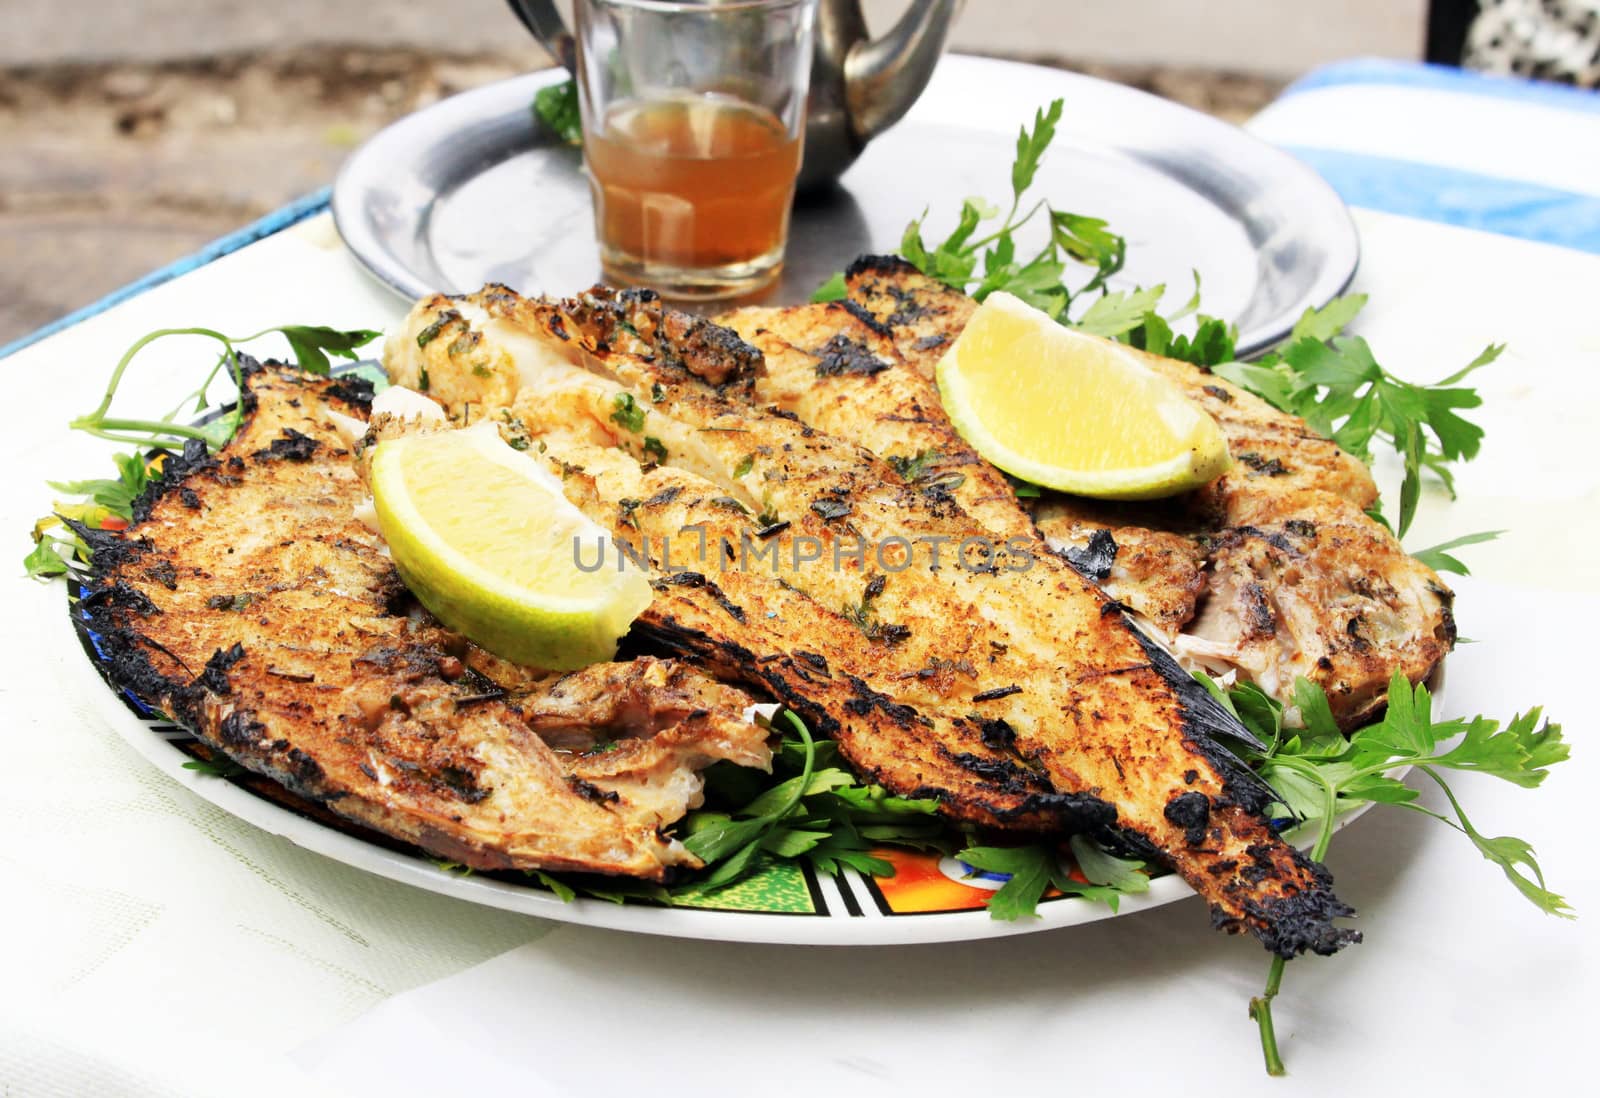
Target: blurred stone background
point(133, 133)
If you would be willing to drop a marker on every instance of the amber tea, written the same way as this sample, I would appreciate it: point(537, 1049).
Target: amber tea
point(692, 193)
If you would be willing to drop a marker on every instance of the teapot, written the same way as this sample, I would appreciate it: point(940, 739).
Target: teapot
point(860, 86)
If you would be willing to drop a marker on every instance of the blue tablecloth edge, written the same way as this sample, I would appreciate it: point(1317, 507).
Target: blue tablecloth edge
point(1414, 74)
point(295, 212)
point(1450, 196)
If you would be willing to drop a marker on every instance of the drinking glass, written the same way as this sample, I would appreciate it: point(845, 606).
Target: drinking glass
point(693, 121)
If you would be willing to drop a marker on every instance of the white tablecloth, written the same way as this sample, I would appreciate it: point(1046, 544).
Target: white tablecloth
point(149, 944)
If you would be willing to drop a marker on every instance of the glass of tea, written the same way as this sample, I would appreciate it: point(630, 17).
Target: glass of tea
point(693, 121)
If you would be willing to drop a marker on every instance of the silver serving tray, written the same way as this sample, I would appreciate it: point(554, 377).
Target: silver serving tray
point(473, 190)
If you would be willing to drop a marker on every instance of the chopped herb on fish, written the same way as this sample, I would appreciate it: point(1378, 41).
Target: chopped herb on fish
point(914, 466)
point(626, 413)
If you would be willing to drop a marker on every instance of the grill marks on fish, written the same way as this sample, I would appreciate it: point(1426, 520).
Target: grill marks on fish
point(789, 642)
point(894, 412)
point(1102, 724)
point(330, 683)
point(1181, 569)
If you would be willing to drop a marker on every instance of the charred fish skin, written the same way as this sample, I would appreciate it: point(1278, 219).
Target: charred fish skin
point(887, 407)
point(721, 599)
point(1093, 713)
point(1225, 573)
point(250, 605)
point(922, 315)
point(753, 626)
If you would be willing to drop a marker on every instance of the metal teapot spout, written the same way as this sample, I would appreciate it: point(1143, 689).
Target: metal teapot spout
point(883, 77)
point(860, 86)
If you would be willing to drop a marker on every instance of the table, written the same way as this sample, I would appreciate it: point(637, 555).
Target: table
point(154, 945)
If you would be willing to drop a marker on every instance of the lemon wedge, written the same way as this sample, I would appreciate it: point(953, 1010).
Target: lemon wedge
point(486, 541)
point(1071, 411)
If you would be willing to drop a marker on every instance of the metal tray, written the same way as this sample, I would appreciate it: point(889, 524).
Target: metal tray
point(472, 190)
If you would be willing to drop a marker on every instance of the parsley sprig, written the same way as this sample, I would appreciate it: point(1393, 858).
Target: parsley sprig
point(109, 501)
point(1440, 559)
point(822, 815)
point(1335, 384)
point(1038, 279)
point(311, 346)
point(1319, 774)
point(1035, 869)
point(809, 809)
point(981, 263)
point(556, 105)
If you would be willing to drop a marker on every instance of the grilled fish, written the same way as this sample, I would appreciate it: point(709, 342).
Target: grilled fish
point(1003, 683)
point(250, 604)
point(1274, 570)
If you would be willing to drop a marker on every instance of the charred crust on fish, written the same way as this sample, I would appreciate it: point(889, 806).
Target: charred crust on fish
point(1263, 466)
point(864, 315)
point(1071, 813)
point(240, 730)
point(867, 699)
point(591, 792)
point(163, 572)
point(215, 676)
point(1192, 812)
point(1094, 561)
point(842, 355)
point(122, 595)
point(292, 445)
point(816, 660)
point(352, 390)
point(1298, 922)
point(997, 735)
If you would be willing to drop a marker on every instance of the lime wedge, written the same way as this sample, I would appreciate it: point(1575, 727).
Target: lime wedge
point(1072, 411)
point(486, 541)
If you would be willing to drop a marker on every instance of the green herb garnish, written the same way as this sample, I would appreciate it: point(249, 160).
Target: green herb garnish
point(1440, 559)
point(626, 413)
point(1036, 868)
point(1335, 384)
point(1320, 774)
point(311, 345)
point(556, 105)
point(913, 467)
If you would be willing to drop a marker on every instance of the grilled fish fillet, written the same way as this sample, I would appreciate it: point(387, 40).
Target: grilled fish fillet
point(1010, 688)
point(840, 374)
point(1273, 570)
point(250, 604)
